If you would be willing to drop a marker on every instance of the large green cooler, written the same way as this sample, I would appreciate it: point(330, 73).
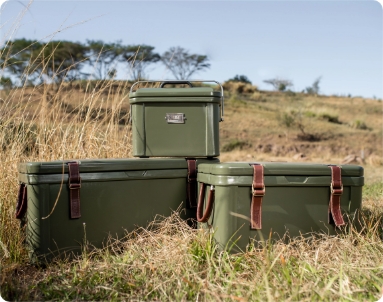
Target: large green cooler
point(268, 200)
point(66, 200)
point(176, 121)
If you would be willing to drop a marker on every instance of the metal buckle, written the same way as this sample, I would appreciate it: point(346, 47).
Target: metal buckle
point(258, 192)
point(336, 191)
point(74, 186)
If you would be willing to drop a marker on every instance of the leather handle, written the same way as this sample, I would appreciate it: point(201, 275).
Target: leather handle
point(22, 201)
point(175, 82)
point(204, 216)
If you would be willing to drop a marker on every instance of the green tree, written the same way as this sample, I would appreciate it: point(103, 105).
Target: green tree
point(314, 88)
point(182, 64)
point(17, 58)
point(279, 84)
point(6, 83)
point(138, 58)
point(240, 78)
point(55, 61)
point(103, 58)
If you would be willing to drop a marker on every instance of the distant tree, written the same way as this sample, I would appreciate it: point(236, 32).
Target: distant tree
point(6, 83)
point(182, 64)
point(139, 57)
point(61, 60)
point(240, 78)
point(33, 61)
point(279, 84)
point(103, 58)
point(314, 88)
point(16, 57)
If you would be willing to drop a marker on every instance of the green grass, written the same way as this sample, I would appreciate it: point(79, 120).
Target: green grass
point(170, 261)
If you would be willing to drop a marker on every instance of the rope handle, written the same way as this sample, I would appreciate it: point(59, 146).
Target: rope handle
point(204, 216)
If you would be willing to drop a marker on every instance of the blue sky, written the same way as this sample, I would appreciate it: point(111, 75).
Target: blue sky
point(341, 41)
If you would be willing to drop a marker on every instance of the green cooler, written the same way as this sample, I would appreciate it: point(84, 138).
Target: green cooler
point(243, 201)
point(68, 201)
point(176, 121)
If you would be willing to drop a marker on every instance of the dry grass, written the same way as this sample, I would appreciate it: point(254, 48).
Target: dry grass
point(170, 261)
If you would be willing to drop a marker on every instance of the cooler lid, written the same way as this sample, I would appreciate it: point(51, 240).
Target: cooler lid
point(276, 168)
point(175, 92)
point(108, 165)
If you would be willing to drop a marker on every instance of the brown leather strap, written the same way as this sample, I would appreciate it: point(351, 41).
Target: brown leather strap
point(258, 191)
point(336, 192)
point(21, 206)
point(192, 183)
point(74, 184)
point(201, 216)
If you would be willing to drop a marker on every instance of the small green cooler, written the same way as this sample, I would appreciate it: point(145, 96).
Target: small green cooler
point(66, 200)
point(246, 201)
point(176, 121)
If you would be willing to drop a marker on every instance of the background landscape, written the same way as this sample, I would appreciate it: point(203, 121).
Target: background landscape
point(55, 106)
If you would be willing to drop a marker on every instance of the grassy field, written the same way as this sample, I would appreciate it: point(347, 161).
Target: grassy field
point(169, 260)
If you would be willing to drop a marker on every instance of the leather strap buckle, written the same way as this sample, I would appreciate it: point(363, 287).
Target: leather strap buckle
point(258, 191)
point(75, 185)
point(336, 191)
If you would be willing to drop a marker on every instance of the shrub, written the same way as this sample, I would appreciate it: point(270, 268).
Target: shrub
point(239, 87)
point(240, 78)
point(358, 124)
point(235, 144)
point(330, 118)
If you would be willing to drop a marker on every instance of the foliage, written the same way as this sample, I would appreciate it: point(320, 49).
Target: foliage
point(235, 144)
point(36, 62)
point(182, 64)
point(138, 58)
point(314, 88)
point(6, 83)
point(239, 87)
point(358, 124)
point(103, 57)
point(279, 84)
point(294, 119)
point(330, 118)
point(240, 78)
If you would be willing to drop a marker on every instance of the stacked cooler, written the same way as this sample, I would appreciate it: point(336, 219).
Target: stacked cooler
point(68, 201)
point(64, 202)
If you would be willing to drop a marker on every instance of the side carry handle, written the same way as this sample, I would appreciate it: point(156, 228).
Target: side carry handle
point(204, 216)
point(22, 200)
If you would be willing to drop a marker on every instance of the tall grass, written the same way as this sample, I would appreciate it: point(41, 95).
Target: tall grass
point(169, 260)
point(172, 262)
point(38, 125)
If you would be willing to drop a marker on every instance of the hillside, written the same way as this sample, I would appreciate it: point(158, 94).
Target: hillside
point(258, 125)
point(90, 120)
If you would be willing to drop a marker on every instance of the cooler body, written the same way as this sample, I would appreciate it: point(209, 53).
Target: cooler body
point(296, 200)
point(115, 197)
point(176, 122)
